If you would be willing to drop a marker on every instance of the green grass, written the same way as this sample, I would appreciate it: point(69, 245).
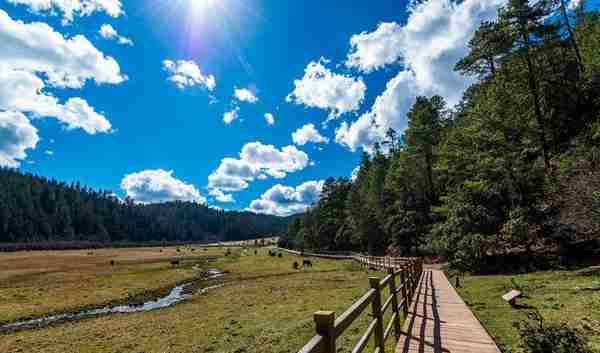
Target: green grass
point(264, 306)
point(554, 294)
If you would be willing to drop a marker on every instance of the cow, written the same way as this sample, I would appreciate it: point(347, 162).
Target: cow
point(306, 263)
point(174, 262)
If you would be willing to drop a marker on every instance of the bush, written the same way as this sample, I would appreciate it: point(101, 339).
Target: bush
point(537, 336)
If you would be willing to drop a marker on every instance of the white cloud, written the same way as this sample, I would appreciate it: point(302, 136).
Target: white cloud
point(256, 161)
point(354, 173)
point(273, 161)
point(245, 95)
point(152, 186)
point(372, 51)
point(434, 38)
point(574, 4)
point(231, 115)
point(49, 152)
point(17, 135)
point(186, 73)
point(34, 50)
point(308, 133)
point(72, 8)
point(321, 88)
point(77, 113)
point(232, 175)
point(109, 32)
point(221, 196)
point(269, 118)
point(66, 62)
point(23, 91)
point(281, 200)
point(388, 111)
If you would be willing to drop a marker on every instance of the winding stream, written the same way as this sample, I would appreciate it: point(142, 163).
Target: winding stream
point(176, 295)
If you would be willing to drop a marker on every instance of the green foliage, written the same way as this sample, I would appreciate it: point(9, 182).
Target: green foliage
point(488, 177)
point(537, 336)
point(34, 209)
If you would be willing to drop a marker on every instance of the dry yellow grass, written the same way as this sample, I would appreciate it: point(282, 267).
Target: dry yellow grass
point(39, 283)
point(265, 306)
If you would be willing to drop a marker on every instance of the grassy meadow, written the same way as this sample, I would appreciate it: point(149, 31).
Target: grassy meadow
point(48, 282)
point(557, 295)
point(264, 306)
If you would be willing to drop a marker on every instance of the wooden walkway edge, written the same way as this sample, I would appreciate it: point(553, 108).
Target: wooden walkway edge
point(439, 321)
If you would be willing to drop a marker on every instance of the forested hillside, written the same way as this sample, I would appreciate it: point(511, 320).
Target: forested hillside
point(514, 168)
point(35, 209)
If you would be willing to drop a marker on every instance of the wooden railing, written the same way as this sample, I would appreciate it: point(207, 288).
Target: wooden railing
point(402, 280)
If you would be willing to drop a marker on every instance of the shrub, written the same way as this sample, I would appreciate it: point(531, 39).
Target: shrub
point(537, 336)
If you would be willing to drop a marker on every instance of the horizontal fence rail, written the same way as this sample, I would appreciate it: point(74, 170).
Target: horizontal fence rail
point(402, 278)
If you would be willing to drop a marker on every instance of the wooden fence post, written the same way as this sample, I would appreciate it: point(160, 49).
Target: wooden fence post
point(413, 268)
point(408, 280)
point(377, 314)
point(405, 299)
point(324, 322)
point(393, 293)
point(416, 272)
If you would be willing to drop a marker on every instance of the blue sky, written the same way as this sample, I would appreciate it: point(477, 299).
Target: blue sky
point(156, 104)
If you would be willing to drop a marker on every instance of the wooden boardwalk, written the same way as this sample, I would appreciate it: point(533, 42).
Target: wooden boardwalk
point(440, 322)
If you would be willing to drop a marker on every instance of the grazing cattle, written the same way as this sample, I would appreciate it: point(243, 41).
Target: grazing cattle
point(306, 263)
point(112, 262)
point(295, 265)
point(174, 262)
point(279, 255)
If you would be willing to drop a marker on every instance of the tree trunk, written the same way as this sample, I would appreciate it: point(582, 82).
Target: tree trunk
point(429, 172)
point(533, 87)
point(492, 66)
point(572, 39)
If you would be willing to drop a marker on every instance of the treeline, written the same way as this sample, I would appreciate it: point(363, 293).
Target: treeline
point(39, 210)
point(513, 169)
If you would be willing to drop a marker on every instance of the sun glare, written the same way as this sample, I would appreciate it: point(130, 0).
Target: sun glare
point(202, 5)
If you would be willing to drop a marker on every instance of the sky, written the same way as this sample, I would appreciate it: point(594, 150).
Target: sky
point(239, 104)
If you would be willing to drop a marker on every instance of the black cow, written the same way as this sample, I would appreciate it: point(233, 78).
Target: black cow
point(306, 263)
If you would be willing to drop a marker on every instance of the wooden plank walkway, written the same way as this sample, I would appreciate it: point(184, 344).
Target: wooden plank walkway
point(440, 322)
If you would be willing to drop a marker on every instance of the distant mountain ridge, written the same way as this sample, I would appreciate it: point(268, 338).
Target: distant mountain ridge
point(37, 209)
